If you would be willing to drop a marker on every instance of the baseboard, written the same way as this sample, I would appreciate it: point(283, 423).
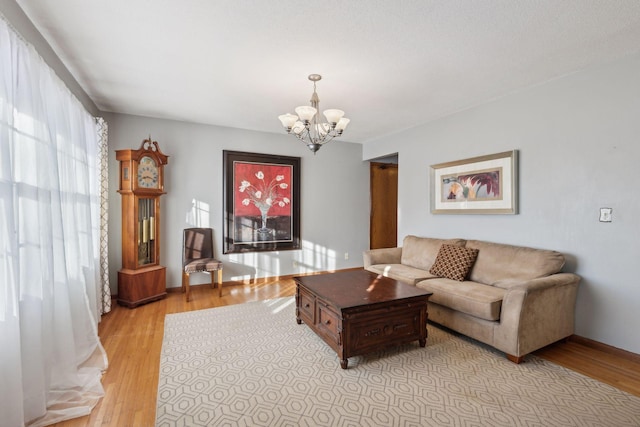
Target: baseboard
point(262, 280)
point(605, 348)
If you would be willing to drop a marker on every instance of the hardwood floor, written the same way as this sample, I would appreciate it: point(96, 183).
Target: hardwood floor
point(609, 365)
point(133, 340)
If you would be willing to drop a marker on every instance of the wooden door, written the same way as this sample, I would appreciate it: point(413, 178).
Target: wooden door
point(384, 205)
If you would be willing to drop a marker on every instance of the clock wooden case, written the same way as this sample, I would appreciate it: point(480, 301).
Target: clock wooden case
point(142, 279)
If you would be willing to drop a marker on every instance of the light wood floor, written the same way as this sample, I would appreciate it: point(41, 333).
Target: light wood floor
point(133, 340)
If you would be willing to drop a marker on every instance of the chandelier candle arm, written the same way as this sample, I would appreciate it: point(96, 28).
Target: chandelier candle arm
point(298, 127)
point(306, 125)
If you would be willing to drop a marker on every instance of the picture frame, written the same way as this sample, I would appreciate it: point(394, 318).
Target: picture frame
point(261, 202)
point(478, 185)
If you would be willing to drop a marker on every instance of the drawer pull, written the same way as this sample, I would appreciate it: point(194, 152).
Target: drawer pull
point(307, 305)
point(327, 322)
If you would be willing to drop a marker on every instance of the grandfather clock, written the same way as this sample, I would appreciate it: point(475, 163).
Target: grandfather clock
point(142, 279)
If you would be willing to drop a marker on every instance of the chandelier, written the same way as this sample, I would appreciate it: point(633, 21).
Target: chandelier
point(306, 126)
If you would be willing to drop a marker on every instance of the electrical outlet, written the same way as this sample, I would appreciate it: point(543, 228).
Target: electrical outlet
point(606, 214)
point(346, 255)
point(295, 264)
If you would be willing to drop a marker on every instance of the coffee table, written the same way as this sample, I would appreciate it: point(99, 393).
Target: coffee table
point(358, 312)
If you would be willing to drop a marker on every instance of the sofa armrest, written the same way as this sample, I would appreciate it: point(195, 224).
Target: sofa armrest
point(382, 256)
point(542, 283)
point(537, 313)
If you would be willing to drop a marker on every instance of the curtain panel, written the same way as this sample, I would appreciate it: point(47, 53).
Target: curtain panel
point(104, 296)
point(51, 359)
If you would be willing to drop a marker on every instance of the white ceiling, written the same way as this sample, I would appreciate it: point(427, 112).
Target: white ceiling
point(389, 65)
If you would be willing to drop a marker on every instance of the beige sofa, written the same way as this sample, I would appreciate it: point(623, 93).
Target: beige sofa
point(515, 299)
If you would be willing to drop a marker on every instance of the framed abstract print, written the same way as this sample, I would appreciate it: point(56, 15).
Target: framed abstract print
point(478, 185)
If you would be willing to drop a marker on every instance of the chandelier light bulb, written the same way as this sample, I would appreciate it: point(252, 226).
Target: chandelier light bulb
point(342, 124)
point(288, 120)
point(306, 113)
point(333, 116)
point(298, 127)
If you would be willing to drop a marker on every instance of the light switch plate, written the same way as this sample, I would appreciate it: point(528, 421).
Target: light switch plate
point(605, 214)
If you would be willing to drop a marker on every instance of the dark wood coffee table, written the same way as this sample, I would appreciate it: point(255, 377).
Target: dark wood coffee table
point(358, 312)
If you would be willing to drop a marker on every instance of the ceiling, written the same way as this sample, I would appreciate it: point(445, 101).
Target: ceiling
point(390, 65)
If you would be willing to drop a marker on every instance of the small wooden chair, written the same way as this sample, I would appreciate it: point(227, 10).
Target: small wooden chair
point(197, 257)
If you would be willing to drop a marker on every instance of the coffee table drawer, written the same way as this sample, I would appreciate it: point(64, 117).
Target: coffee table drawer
point(306, 306)
point(399, 327)
point(327, 319)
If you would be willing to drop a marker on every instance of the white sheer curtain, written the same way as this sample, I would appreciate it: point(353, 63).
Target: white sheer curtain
point(51, 359)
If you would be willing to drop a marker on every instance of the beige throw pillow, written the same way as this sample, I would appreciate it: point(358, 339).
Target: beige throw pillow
point(454, 262)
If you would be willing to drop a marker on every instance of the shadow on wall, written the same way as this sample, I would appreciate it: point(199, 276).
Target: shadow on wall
point(315, 257)
point(570, 263)
point(198, 214)
point(253, 265)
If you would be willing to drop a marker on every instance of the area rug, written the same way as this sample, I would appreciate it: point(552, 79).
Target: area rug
point(252, 365)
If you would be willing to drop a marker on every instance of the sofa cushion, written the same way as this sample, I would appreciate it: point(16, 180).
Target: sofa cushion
point(506, 266)
point(454, 262)
point(403, 273)
point(421, 252)
point(468, 297)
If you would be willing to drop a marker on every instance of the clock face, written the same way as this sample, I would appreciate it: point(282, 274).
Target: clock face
point(147, 173)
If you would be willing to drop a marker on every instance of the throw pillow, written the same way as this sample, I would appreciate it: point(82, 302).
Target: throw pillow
point(454, 262)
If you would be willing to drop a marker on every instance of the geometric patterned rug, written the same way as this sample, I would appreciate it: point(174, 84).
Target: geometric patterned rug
point(251, 364)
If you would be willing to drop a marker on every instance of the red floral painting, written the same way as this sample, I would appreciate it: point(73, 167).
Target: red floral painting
point(262, 188)
point(261, 202)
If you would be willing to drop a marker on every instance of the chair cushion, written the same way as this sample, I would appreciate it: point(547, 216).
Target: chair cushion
point(401, 272)
point(204, 264)
point(472, 298)
point(454, 262)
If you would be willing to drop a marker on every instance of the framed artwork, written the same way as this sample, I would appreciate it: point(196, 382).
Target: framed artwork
point(479, 185)
point(261, 202)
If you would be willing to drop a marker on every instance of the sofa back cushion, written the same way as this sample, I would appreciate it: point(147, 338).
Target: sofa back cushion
point(421, 252)
point(505, 265)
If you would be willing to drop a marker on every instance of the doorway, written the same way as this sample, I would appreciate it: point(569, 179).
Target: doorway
point(383, 232)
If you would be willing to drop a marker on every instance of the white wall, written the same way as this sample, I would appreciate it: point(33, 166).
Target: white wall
point(334, 197)
point(579, 143)
point(21, 23)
